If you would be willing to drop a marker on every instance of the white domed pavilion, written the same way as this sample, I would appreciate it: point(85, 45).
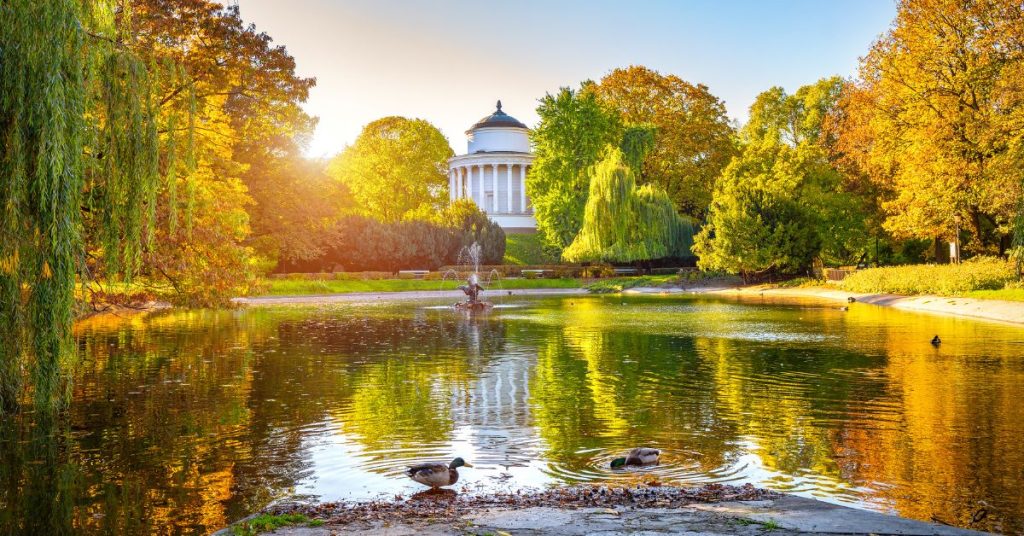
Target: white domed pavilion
point(493, 171)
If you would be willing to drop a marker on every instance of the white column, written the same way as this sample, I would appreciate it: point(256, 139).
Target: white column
point(522, 189)
point(451, 185)
point(508, 184)
point(458, 183)
point(480, 197)
point(494, 179)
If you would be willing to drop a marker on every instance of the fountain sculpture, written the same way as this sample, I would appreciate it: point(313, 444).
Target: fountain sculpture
point(472, 288)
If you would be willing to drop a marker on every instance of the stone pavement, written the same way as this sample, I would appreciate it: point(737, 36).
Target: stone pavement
point(782, 516)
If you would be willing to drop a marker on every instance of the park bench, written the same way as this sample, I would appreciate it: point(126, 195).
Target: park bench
point(418, 274)
point(626, 271)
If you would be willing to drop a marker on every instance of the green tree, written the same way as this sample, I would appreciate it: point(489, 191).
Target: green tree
point(395, 166)
point(573, 131)
point(693, 142)
point(624, 224)
point(757, 223)
point(802, 121)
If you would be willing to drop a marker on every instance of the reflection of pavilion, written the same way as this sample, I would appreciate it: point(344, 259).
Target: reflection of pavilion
point(496, 407)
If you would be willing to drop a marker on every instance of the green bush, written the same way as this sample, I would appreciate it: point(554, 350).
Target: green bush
point(980, 273)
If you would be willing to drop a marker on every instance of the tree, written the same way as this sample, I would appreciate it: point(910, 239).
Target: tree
point(843, 212)
point(244, 168)
point(106, 116)
point(625, 224)
point(395, 166)
point(782, 204)
point(77, 114)
point(756, 223)
point(934, 115)
point(573, 131)
point(693, 138)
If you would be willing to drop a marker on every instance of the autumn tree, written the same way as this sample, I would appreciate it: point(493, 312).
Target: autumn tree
point(935, 118)
point(573, 131)
point(395, 166)
point(245, 133)
point(692, 135)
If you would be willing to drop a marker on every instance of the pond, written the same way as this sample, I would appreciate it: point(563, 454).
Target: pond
point(184, 421)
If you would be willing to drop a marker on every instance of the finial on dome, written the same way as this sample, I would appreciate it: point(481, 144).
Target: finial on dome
point(499, 105)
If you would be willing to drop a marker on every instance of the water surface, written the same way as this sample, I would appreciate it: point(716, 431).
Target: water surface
point(185, 421)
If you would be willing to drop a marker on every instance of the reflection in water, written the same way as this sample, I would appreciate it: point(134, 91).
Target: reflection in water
point(185, 421)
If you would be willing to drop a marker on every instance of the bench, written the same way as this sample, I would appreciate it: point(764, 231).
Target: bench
point(418, 274)
point(626, 271)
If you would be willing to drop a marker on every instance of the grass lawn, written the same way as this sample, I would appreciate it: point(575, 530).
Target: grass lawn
point(1008, 294)
point(618, 284)
point(294, 287)
point(521, 249)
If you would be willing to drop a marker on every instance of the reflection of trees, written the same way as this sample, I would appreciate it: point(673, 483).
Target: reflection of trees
point(191, 419)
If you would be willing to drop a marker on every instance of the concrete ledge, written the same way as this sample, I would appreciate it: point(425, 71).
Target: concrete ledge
point(787, 515)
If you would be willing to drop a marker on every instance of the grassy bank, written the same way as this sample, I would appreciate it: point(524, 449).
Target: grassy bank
point(523, 249)
point(986, 278)
point(290, 287)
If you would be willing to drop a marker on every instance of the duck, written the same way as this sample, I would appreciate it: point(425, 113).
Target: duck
point(936, 341)
point(638, 456)
point(850, 299)
point(437, 475)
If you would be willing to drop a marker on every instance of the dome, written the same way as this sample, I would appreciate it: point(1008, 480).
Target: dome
point(497, 119)
point(498, 133)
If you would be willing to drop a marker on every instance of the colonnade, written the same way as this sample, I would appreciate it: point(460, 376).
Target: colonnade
point(497, 188)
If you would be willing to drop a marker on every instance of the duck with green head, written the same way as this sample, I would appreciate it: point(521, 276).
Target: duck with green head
point(638, 456)
point(437, 475)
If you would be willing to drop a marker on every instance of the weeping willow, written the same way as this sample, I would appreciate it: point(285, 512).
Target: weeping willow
point(622, 223)
point(79, 136)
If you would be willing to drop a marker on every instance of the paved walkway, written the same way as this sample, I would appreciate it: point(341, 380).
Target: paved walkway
point(786, 515)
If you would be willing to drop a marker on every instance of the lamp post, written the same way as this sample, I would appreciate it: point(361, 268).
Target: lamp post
point(954, 257)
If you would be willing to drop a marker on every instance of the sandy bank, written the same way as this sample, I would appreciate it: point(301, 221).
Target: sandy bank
point(997, 310)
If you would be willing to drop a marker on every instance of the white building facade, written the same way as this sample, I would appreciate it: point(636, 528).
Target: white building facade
point(493, 171)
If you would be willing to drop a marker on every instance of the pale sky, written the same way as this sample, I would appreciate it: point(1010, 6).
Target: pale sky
point(448, 61)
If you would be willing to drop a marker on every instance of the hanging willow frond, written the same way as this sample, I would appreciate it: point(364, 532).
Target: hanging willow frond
point(79, 130)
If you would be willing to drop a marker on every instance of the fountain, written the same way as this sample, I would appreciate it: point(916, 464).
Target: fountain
point(472, 288)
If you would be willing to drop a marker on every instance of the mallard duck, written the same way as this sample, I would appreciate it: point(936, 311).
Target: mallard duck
point(437, 475)
point(936, 341)
point(638, 456)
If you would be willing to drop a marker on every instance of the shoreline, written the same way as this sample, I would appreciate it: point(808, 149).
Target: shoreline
point(993, 310)
point(1010, 312)
point(598, 509)
point(393, 296)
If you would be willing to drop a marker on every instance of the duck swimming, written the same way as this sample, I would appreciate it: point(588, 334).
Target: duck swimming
point(437, 475)
point(638, 456)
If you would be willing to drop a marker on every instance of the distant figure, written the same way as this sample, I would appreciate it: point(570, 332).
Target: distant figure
point(936, 341)
point(637, 456)
point(851, 299)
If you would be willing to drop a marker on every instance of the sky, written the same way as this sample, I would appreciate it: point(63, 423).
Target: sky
point(448, 61)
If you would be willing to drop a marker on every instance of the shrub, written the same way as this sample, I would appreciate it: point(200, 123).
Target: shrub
point(980, 273)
